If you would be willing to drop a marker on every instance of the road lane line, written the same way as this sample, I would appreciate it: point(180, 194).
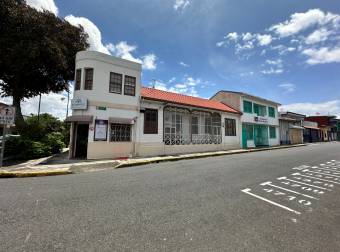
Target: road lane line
point(330, 169)
point(326, 174)
point(288, 190)
point(285, 178)
point(297, 173)
point(247, 191)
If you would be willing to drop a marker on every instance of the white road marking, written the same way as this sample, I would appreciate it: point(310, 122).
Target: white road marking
point(288, 190)
point(297, 173)
point(247, 191)
point(285, 178)
point(28, 237)
point(306, 170)
point(330, 169)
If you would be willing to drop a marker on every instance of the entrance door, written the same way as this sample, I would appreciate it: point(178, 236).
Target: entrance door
point(261, 135)
point(81, 140)
point(244, 136)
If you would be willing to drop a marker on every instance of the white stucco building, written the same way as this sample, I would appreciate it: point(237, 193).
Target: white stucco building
point(113, 116)
point(259, 119)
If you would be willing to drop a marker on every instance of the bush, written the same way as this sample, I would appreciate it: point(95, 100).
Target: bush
point(22, 148)
point(55, 142)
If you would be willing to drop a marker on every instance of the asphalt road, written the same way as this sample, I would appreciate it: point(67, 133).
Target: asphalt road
point(191, 205)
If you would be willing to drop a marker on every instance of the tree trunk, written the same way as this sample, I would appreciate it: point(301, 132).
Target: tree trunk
point(20, 123)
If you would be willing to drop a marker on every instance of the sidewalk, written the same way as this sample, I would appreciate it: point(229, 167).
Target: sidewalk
point(60, 165)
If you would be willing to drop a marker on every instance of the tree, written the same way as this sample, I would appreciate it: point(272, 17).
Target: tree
point(37, 53)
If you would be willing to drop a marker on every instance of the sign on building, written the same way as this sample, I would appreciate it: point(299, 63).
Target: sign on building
point(7, 114)
point(260, 119)
point(79, 103)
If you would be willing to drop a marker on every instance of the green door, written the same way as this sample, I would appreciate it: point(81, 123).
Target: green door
point(244, 136)
point(261, 135)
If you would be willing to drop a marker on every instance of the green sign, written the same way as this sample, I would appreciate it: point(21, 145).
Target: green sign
point(101, 108)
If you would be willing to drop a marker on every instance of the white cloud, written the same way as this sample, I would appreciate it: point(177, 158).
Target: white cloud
point(95, 36)
point(247, 36)
point(288, 87)
point(232, 36)
point(274, 62)
point(272, 70)
point(181, 4)
point(183, 64)
point(302, 21)
point(124, 50)
point(265, 39)
point(322, 55)
point(41, 5)
point(308, 108)
point(318, 36)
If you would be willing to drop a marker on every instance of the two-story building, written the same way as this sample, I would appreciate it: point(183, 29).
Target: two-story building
point(259, 119)
point(114, 116)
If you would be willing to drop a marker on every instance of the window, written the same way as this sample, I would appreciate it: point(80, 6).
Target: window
point(116, 82)
point(151, 121)
point(247, 107)
point(120, 132)
point(130, 85)
point(249, 131)
point(260, 110)
point(78, 79)
point(272, 132)
point(271, 112)
point(197, 127)
point(88, 79)
point(230, 127)
point(194, 125)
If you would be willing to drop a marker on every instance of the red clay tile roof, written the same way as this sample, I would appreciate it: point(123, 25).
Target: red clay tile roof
point(159, 95)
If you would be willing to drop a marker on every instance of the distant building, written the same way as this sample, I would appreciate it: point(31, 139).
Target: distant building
point(260, 119)
point(328, 126)
point(291, 128)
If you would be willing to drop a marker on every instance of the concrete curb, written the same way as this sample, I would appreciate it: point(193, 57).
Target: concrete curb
point(23, 174)
point(200, 155)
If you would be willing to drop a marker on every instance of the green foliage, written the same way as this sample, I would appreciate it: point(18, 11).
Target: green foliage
point(37, 52)
point(42, 138)
point(54, 141)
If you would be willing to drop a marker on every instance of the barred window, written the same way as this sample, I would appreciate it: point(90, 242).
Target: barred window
point(116, 82)
point(194, 125)
point(88, 79)
point(230, 127)
point(130, 85)
point(120, 132)
point(151, 121)
point(78, 79)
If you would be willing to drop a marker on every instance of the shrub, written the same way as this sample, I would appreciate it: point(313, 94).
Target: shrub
point(34, 150)
point(55, 142)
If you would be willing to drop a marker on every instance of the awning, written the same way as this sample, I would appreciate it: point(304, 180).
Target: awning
point(296, 127)
point(311, 127)
point(79, 118)
point(120, 120)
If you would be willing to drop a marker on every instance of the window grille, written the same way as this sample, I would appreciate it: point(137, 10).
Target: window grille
point(130, 85)
point(230, 127)
point(197, 127)
point(88, 79)
point(78, 79)
point(120, 132)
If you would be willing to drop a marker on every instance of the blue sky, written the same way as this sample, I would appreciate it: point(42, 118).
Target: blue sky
point(287, 51)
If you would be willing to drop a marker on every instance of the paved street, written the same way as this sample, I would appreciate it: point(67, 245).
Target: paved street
point(226, 203)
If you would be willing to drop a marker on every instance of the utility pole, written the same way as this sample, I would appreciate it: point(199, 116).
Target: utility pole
point(39, 107)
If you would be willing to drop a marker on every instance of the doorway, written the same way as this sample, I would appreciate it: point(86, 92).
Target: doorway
point(261, 135)
point(82, 133)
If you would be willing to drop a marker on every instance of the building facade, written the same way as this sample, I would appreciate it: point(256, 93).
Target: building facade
point(113, 116)
point(259, 119)
point(291, 128)
point(327, 125)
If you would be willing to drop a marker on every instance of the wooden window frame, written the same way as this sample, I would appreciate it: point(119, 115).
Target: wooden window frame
point(88, 82)
point(227, 130)
point(77, 79)
point(113, 84)
point(128, 86)
point(150, 126)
